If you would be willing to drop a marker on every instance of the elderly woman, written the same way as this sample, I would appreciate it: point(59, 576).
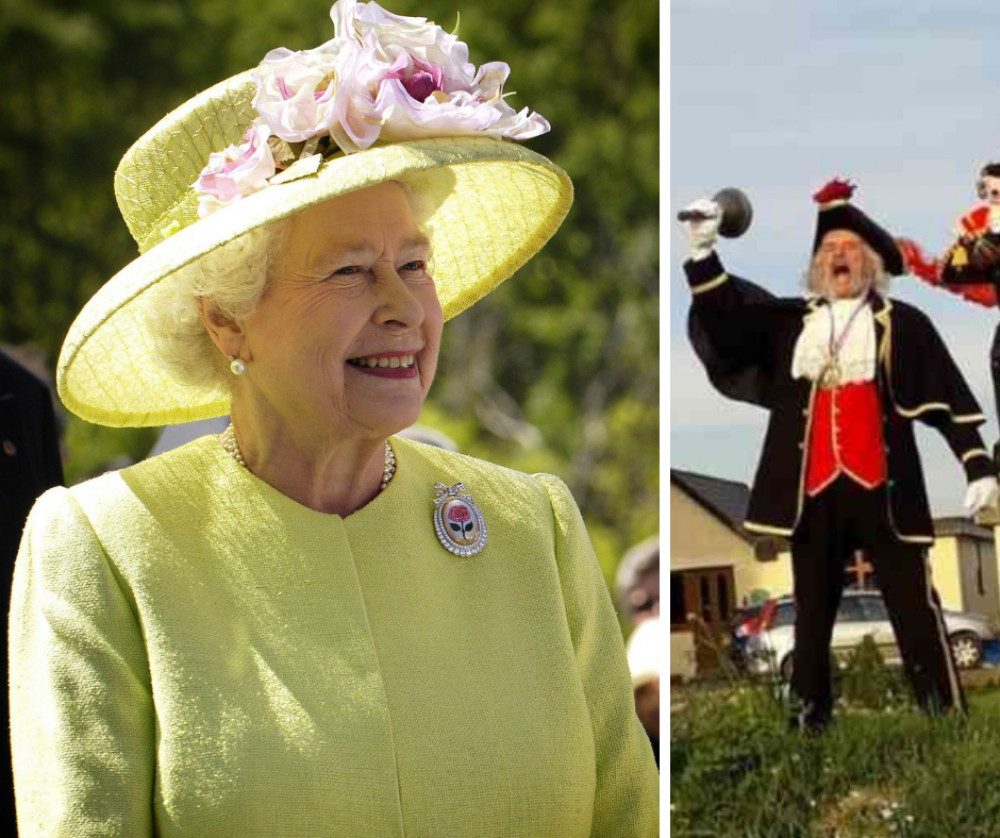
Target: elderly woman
point(309, 626)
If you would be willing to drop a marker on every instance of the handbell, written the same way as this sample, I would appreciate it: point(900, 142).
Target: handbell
point(737, 212)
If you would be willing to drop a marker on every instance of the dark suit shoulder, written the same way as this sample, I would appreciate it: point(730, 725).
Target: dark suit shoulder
point(15, 378)
point(907, 311)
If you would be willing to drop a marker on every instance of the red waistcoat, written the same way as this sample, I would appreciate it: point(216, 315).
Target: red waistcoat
point(846, 437)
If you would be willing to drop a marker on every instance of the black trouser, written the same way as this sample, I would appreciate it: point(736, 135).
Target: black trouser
point(843, 518)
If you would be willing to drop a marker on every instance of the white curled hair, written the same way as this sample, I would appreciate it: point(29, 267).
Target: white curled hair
point(233, 277)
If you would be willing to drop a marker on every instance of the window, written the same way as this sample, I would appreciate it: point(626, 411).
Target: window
point(722, 588)
point(678, 606)
point(980, 581)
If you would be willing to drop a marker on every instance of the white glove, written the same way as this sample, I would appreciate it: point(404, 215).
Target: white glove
point(981, 494)
point(702, 234)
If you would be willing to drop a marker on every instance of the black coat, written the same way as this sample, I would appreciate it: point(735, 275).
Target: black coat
point(746, 338)
point(29, 464)
point(29, 451)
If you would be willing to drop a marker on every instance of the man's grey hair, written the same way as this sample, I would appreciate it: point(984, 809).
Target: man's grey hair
point(873, 274)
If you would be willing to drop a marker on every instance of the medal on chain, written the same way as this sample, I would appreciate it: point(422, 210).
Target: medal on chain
point(830, 374)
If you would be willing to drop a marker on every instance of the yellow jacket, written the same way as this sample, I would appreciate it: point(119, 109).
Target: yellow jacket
point(195, 654)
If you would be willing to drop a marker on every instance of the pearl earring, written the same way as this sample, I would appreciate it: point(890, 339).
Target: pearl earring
point(237, 366)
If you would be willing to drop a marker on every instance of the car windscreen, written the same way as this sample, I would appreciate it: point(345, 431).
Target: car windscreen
point(874, 608)
point(851, 611)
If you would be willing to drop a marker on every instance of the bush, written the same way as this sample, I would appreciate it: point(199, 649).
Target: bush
point(865, 680)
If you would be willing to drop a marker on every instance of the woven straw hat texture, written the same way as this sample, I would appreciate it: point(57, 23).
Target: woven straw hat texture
point(496, 204)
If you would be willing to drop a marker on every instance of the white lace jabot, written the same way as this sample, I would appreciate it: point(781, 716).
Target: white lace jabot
point(856, 353)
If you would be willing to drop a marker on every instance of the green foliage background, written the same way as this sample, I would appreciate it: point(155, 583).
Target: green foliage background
point(556, 371)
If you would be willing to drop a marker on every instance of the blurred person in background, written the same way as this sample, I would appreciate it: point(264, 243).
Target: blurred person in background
point(309, 625)
point(643, 650)
point(30, 463)
point(637, 581)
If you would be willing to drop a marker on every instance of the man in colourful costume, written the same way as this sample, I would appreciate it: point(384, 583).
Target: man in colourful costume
point(971, 265)
point(843, 372)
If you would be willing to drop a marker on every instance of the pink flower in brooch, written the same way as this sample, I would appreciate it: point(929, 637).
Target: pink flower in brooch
point(460, 520)
point(236, 172)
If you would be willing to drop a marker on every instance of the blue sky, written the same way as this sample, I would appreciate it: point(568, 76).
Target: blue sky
point(776, 97)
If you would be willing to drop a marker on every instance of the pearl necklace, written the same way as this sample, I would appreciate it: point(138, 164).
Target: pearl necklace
point(232, 448)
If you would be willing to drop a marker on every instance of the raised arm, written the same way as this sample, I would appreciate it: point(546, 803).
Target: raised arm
point(731, 322)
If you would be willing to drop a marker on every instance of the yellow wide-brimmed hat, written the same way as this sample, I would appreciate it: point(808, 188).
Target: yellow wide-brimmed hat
point(495, 202)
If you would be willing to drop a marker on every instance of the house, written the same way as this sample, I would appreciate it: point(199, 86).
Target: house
point(964, 566)
point(715, 567)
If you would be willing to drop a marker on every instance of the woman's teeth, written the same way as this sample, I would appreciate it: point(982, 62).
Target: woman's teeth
point(394, 362)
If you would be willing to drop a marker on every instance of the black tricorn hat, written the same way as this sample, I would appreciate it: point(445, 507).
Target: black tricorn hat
point(836, 212)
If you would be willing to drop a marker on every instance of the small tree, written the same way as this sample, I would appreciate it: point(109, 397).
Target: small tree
point(866, 681)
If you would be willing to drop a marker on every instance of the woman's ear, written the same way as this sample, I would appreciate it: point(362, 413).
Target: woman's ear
point(225, 332)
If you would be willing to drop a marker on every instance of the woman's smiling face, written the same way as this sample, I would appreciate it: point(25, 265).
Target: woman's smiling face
point(346, 337)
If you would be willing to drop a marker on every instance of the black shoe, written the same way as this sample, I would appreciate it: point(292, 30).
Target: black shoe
point(810, 719)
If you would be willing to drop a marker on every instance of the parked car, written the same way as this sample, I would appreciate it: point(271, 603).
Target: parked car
point(765, 634)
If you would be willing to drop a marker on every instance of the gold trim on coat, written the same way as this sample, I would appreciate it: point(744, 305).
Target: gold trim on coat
point(763, 528)
point(708, 286)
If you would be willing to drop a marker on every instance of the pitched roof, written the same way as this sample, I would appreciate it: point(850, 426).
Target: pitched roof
point(726, 499)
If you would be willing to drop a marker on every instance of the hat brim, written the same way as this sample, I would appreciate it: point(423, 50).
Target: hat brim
point(496, 204)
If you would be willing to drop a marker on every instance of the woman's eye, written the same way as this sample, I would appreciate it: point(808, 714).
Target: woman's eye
point(348, 270)
point(415, 265)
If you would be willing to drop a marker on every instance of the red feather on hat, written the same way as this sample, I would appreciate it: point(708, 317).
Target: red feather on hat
point(835, 190)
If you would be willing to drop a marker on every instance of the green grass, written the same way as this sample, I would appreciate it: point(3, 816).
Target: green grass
point(737, 770)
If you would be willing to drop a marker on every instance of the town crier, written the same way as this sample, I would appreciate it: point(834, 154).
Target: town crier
point(843, 372)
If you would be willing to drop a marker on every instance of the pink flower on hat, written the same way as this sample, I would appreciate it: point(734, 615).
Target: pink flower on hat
point(296, 91)
point(382, 77)
point(236, 172)
point(417, 81)
point(476, 110)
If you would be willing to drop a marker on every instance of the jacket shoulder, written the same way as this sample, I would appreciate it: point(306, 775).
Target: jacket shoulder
point(171, 479)
point(505, 492)
point(908, 312)
point(454, 467)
